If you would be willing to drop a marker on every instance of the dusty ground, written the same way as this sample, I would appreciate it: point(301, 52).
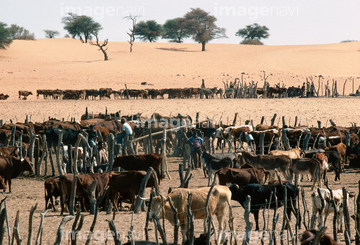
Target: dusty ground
point(68, 64)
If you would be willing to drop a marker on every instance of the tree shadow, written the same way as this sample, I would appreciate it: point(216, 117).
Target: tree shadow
point(178, 49)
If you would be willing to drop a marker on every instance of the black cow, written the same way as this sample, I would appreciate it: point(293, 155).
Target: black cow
point(262, 194)
point(213, 164)
point(69, 136)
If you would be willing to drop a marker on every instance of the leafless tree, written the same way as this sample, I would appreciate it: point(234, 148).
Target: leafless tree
point(132, 30)
point(102, 46)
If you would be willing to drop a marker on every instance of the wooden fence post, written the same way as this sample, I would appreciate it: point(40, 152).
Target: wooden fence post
point(163, 164)
point(111, 144)
point(261, 142)
point(58, 149)
point(357, 218)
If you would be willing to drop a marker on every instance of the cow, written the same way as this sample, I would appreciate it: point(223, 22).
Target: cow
point(82, 186)
point(24, 94)
point(268, 162)
point(52, 190)
point(9, 151)
point(4, 96)
point(313, 166)
point(237, 133)
point(341, 149)
point(309, 235)
point(329, 208)
point(127, 184)
point(140, 162)
point(293, 153)
point(271, 139)
point(11, 167)
point(261, 195)
point(70, 136)
point(219, 202)
point(242, 177)
point(213, 164)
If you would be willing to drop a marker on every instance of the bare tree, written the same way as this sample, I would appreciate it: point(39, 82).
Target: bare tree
point(51, 33)
point(132, 30)
point(101, 46)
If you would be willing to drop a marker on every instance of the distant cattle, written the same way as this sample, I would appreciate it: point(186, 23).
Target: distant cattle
point(140, 162)
point(4, 96)
point(218, 205)
point(52, 190)
point(24, 94)
point(11, 167)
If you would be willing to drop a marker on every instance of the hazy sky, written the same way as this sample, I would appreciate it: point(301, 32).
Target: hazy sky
point(290, 22)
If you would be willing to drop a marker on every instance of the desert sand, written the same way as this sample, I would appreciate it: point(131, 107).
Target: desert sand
point(69, 64)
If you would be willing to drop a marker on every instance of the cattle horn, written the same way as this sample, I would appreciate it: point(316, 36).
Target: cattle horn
point(146, 199)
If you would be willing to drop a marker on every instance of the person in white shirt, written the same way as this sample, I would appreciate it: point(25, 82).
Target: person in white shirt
point(126, 130)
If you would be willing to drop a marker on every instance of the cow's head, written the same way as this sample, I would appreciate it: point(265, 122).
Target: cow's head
point(157, 207)
point(27, 165)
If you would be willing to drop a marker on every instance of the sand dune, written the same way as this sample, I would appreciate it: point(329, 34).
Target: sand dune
point(70, 64)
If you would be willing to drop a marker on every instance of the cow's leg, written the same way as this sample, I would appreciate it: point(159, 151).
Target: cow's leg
point(256, 216)
point(9, 184)
point(183, 231)
point(52, 202)
point(62, 202)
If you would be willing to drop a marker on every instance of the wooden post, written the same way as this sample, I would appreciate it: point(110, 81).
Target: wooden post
point(247, 221)
point(285, 139)
point(273, 119)
point(151, 148)
point(346, 213)
point(176, 224)
point(32, 210)
point(111, 145)
point(69, 168)
point(31, 146)
point(190, 216)
point(60, 229)
point(92, 196)
point(335, 211)
point(16, 234)
point(40, 227)
point(357, 218)
point(127, 92)
point(2, 226)
point(163, 164)
point(261, 142)
point(58, 149)
point(20, 145)
point(141, 194)
point(12, 139)
point(283, 121)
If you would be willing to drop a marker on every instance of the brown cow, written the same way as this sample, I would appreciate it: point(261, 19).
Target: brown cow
point(4, 96)
point(24, 94)
point(140, 162)
point(268, 162)
point(82, 186)
point(241, 177)
point(341, 149)
point(8, 151)
point(11, 167)
point(127, 184)
point(52, 189)
point(313, 166)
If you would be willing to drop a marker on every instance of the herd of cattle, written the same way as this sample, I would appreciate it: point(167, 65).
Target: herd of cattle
point(171, 93)
point(258, 152)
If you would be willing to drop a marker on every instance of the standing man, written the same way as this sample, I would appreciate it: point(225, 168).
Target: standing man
point(126, 130)
point(195, 141)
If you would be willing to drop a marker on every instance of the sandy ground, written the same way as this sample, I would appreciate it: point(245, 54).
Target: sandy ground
point(68, 64)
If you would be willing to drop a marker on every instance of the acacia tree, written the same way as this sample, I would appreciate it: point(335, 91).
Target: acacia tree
point(148, 31)
point(175, 31)
point(20, 33)
point(5, 38)
point(253, 33)
point(51, 33)
point(82, 26)
point(201, 25)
